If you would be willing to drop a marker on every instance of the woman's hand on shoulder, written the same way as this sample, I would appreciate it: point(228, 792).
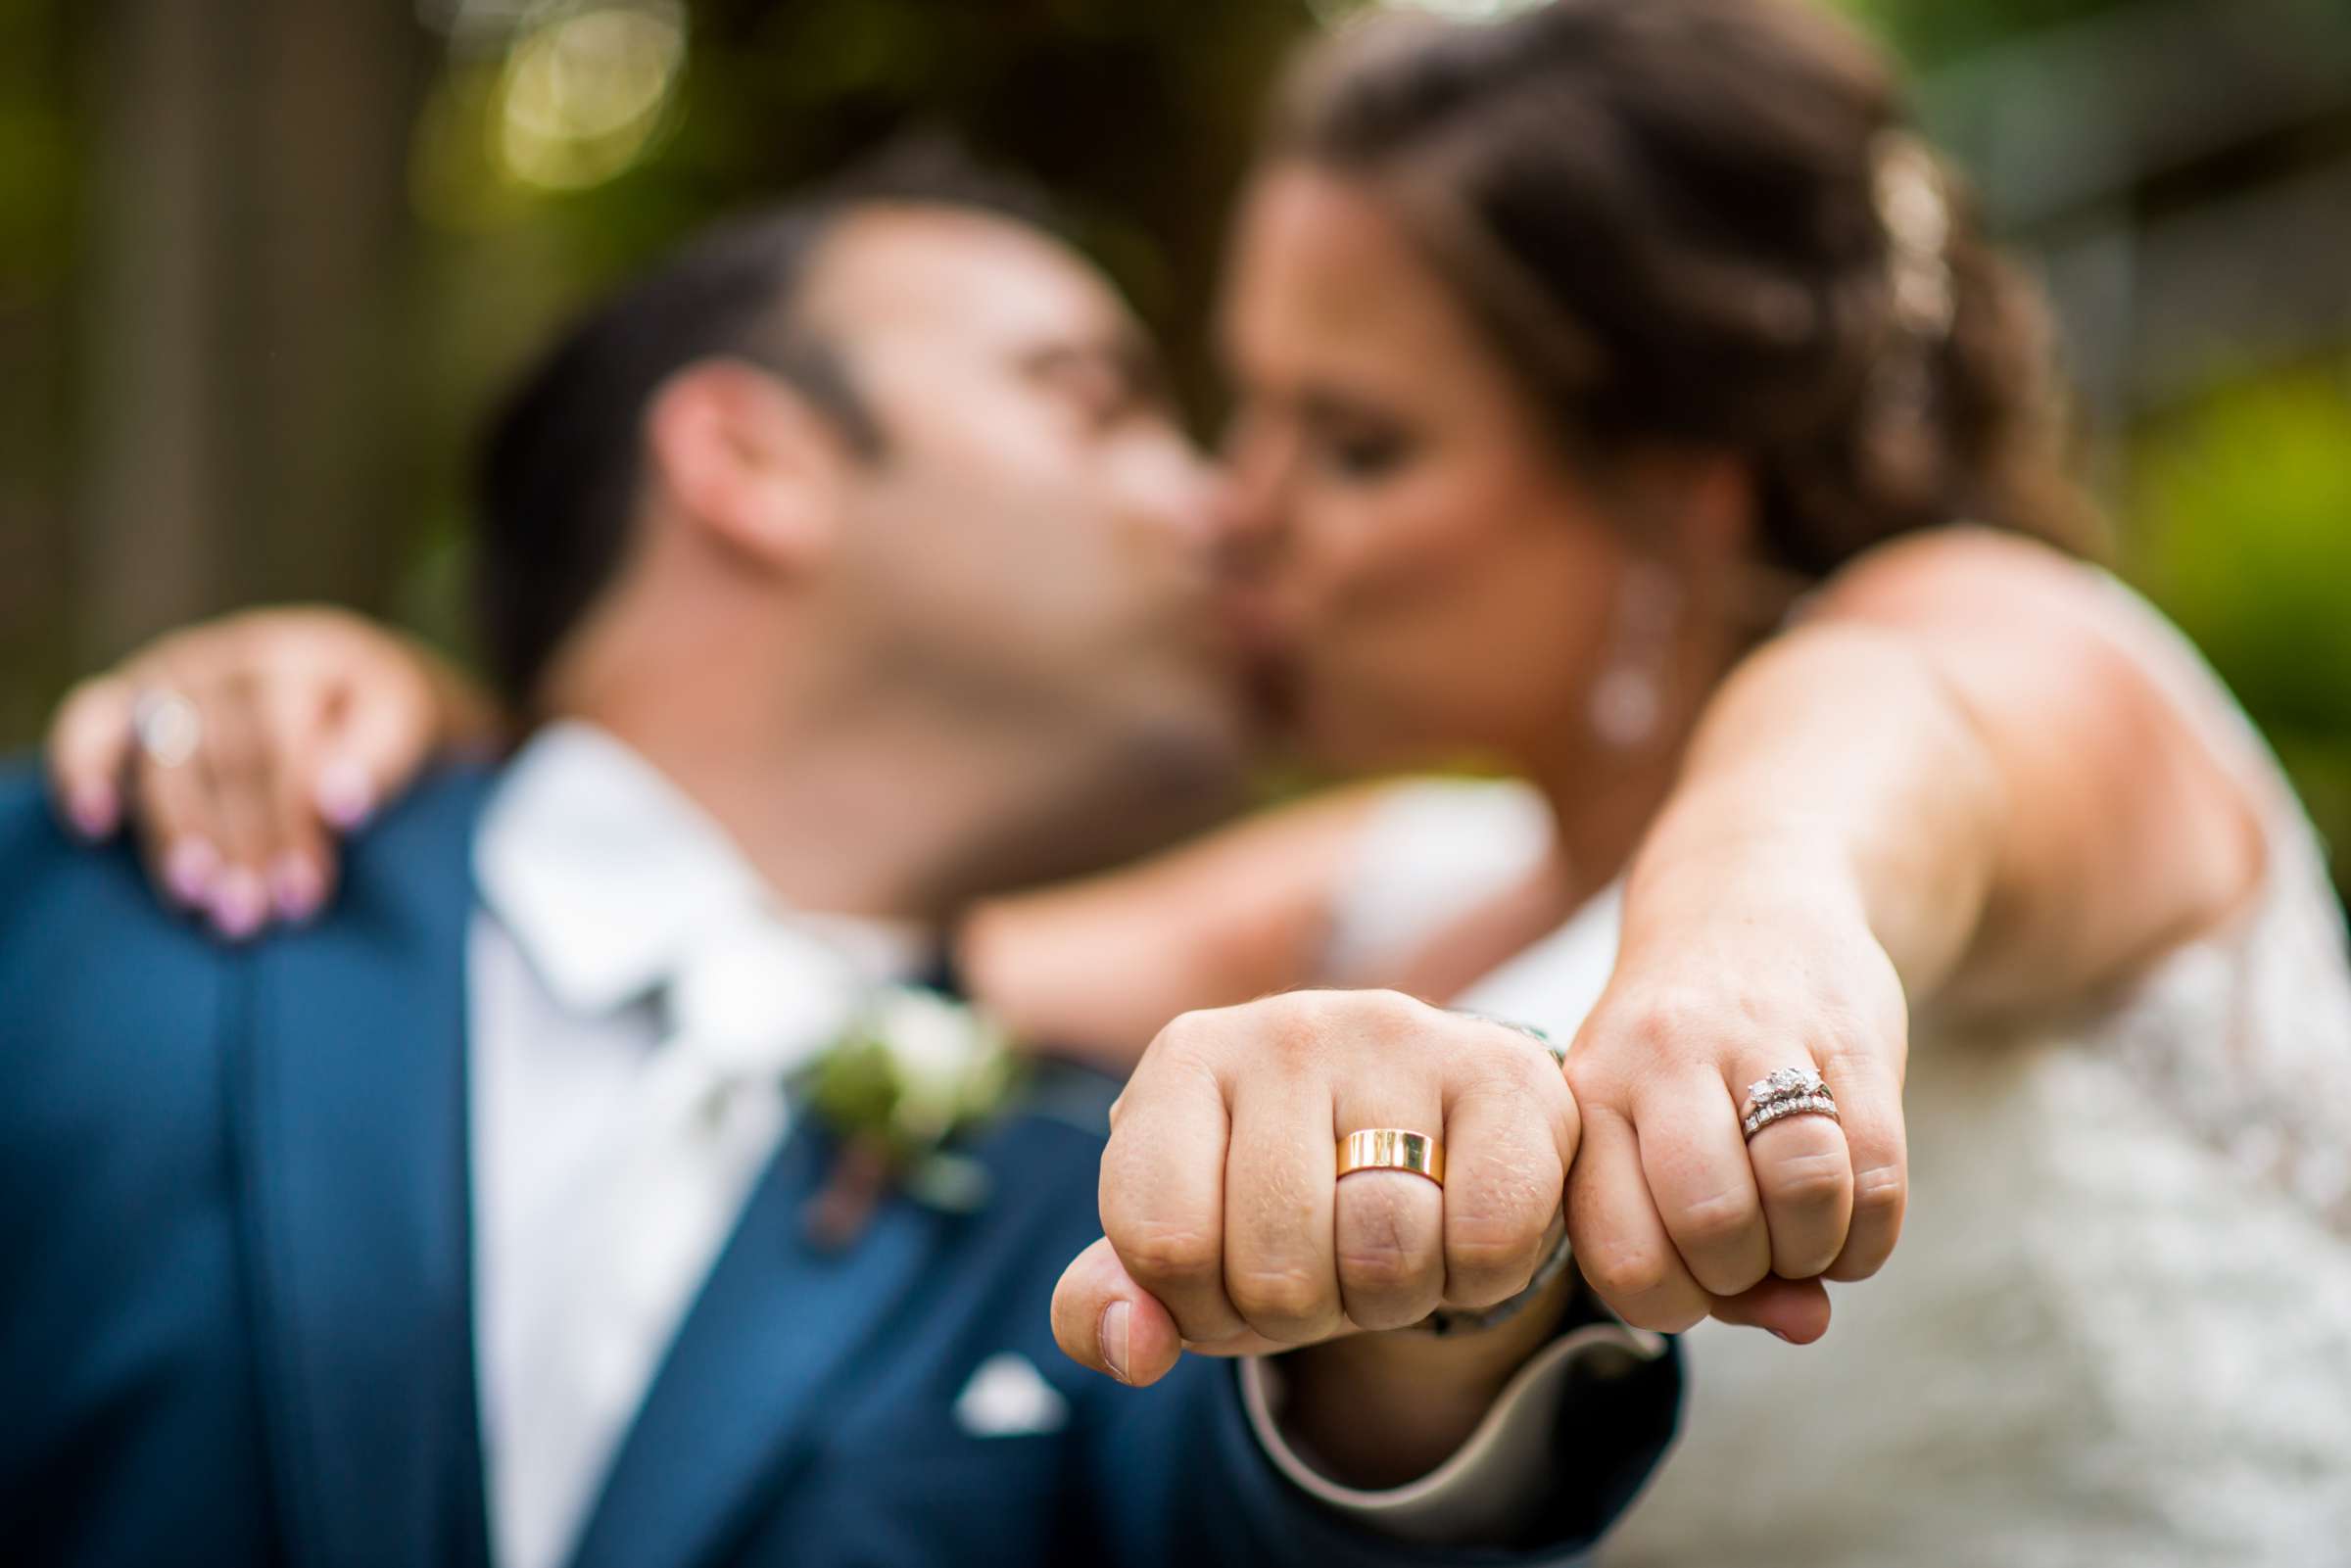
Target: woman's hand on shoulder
point(240, 750)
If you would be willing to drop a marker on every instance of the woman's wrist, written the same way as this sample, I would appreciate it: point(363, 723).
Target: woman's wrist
point(1702, 869)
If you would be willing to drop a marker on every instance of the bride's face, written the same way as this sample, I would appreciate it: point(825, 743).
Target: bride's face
point(1423, 574)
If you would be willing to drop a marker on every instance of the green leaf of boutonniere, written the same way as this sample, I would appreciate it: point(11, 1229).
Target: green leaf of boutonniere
point(915, 1069)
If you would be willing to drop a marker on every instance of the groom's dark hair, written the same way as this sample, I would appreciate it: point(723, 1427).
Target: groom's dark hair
point(559, 475)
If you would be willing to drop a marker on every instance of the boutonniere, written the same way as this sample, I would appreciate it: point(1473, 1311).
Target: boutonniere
point(913, 1070)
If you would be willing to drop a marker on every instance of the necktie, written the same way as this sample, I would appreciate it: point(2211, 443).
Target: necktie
point(747, 1006)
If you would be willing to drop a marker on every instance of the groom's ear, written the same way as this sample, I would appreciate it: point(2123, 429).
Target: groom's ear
point(748, 462)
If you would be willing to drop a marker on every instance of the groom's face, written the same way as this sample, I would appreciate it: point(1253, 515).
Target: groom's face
point(1032, 537)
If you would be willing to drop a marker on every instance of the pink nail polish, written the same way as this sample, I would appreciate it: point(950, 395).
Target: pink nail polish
point(344, 797)
point(296, 887)
point(239, 904)
point(92, 810)
point(1118, 1319)
point(189, 869)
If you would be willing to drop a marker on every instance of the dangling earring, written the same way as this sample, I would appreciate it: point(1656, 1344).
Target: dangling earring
point(1628, 700)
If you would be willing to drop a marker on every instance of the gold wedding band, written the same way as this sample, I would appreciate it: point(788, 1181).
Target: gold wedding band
point(1392, 1149)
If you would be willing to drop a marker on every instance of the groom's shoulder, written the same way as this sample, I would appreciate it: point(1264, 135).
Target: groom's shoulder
point(55, 885)
point(89, 949)
point(58, 892)
point(114, 1004)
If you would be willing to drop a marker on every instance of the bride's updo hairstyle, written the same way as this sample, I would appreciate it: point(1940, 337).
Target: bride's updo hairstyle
point(1708, 224)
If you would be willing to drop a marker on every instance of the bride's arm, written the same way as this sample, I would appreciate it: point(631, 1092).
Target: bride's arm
point(1098, 966)
point(1966, 731)
point(1955, 784)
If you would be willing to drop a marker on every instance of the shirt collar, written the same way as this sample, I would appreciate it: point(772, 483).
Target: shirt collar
point(607, 875)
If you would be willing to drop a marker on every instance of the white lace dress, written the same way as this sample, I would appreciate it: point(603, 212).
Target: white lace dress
point(2118, 1328)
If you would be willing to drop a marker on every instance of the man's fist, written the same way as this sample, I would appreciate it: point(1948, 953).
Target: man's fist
point(1228, 1229)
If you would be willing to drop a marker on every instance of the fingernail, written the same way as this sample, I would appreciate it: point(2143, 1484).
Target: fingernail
point(239, 904)
point(93, 809)
point(296, 887)
point(344, 797)
point(1785, 1338)
point(1116, 1318)
point(188, 868)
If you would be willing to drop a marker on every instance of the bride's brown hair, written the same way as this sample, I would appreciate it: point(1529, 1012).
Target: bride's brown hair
point(1708, 222)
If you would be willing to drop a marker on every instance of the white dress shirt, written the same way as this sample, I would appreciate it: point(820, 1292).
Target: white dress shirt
point(601, 884)
point(600, 881)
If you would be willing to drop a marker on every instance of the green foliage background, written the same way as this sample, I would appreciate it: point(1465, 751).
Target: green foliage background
point(2235, 504)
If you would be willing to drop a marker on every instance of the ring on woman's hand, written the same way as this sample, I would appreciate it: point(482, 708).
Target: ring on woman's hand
point(165, 726)
point(1788, 1092)
point(1392, 1149)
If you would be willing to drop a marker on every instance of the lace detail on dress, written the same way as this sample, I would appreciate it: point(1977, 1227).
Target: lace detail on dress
point(2246, 1034)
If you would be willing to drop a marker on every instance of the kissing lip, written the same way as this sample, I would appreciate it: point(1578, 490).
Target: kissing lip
point(1252, 620)
point(1265, 649)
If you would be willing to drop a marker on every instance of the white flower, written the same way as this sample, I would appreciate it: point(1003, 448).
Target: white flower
point(942, 1053)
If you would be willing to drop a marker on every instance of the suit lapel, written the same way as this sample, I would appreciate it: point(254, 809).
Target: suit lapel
point(357, 1194)
point(776, 1324)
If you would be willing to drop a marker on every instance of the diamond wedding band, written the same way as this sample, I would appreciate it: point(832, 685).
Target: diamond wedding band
point(1788, 1092)
point(167, 726)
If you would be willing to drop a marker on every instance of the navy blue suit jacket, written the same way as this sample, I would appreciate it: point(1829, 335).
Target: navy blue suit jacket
point(236, 1321)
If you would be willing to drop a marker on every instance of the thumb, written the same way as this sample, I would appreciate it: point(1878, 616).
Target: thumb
point(1103, 1319)
point(1796, 1310)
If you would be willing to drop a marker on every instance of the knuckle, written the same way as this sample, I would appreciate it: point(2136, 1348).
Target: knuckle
point(1168, 1255)
point(1380, 1248)
point(1493, 1245)
point(1670, 1023)
point(1189, 1035)
point(1591, 1078)
point(236, 761)
point(1388, 1012)
point(1376, 1021)
point(1881, 1193)
point(1381, 1263)
point(1504, 1065)
point(1626, 1275)
point(1810, 1181)
point(1718, 1219)
point(1279, 1296)
point(1480, 1278)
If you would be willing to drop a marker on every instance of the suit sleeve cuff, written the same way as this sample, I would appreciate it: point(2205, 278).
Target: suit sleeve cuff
point(1497, 1481)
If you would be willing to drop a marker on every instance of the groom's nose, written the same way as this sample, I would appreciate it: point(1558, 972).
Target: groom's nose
point(1175, 492)
point(1246, 505)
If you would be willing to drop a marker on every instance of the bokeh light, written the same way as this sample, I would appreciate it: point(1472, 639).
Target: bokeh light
point(587, 92)
point(1334, 11)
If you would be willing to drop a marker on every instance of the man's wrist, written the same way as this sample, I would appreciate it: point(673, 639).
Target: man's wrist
point(1381, 1409)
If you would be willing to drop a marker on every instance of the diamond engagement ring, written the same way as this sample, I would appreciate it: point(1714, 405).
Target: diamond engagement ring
point(167, 726)
point(1788, 1092)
